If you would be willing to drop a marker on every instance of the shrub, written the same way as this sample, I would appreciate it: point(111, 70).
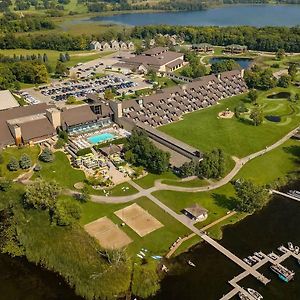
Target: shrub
point(13, 165)
point(5, 184)
point(67, 212)
point(46, 155)
point(25, 162)
point(85, 151)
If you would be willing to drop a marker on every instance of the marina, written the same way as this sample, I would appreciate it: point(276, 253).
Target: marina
point(257, 261)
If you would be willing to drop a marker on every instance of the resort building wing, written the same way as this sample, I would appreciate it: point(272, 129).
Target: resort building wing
point(170, 104)
point(159, 59)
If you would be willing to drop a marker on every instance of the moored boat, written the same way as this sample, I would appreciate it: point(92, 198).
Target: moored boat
point(256, 295)
point(191, 263)
point(291, 246)
point(243, 296)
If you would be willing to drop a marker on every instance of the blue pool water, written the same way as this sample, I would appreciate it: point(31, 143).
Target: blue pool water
point(103, 137)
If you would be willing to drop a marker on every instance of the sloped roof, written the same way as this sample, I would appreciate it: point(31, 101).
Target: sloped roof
point(78, 115)
point(7, 100)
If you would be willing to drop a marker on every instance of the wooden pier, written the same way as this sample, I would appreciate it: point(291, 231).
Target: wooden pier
point(234, 282)
point(285, 195)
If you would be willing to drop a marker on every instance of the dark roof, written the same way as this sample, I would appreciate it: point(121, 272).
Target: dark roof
point(174, 63)
point(78, 115)
point(155, 51)
point(6, 137)
point(111, 149)
point(36, 129)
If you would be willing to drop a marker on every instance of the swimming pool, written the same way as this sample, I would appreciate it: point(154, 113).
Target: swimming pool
point(103, 137)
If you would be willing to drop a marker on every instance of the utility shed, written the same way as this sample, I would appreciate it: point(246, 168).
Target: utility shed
point(196, 212)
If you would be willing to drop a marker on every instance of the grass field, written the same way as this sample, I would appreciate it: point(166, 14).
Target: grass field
point(15, 152)
point(157, 242)
point(53, 55)
point(61, 171)
point(203, 130)
point(262, 170)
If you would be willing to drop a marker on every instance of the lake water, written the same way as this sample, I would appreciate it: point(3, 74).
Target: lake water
point(276, 224)
point(245, 63)
point(253, 15)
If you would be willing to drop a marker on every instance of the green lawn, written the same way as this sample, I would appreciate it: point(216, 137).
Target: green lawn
point(53, 55)
point(190, 183)
point(206, 131)
point(265, 169)
point(147, 181)
point(157, 242)
point(15, 152)
point(274, 164)
point(61, 171)
point(116, 191)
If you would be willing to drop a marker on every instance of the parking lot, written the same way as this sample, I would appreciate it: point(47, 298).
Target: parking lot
point(87, 82)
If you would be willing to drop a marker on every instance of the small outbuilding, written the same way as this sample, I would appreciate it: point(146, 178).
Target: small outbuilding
point(196, 212)
point(111, 149)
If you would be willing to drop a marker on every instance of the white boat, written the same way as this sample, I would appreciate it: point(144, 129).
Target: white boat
point(259, 254)
point(256, 295)
point(297, 250)
point(252, 259)
point(243, 297)
point(247, 261)
point(191, 263)
point(282, 249)
point(291, 247)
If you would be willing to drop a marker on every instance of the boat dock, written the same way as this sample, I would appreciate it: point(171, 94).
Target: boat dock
point(285, 195)
point(266, 259)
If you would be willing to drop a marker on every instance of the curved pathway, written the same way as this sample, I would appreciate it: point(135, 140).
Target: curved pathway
point(159, 186)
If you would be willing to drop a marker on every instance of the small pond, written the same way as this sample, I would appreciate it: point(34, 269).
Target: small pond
point(245, 63)
point(275, 119)
point(281, 95)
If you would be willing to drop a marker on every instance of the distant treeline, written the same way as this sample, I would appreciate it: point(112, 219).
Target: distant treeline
point(262, 39)
point(11, 22)
point(100, 6)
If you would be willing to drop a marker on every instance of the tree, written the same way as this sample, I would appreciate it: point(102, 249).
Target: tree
point(145, 281)
point(61, 69)
point(71, 100)
point(5, 184)
point(292, 71)
point(108, 94)
point(140, 151)
point(224, 65)
point(152, 75)
point(250, 197)
point(46, 155)
point(188, 169)
point(212, 165)
point(284, 81)
point(42, 194)
point(67, 212)
point(25, 162)
point(67, 56)
point(280, 54)
point(253, 95)
point(257, 116)
point(13, 164)
point(62, 57)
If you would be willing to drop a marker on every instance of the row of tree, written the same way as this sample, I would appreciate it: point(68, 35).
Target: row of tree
point(24, 71)
point(11, 22)
point(211, 166)
point(255, 38)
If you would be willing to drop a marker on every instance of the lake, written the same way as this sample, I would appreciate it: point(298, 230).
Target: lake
point(245, 63)
point(276, 224)
point(253, 15)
